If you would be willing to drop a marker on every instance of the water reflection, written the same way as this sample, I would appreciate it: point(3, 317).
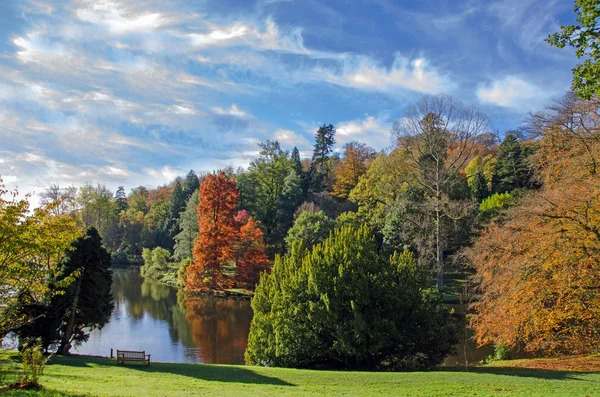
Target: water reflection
point(174, 327)
point(171, 326)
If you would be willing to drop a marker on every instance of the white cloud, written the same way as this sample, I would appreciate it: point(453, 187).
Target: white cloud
point(182, 110)
point(363, 73)
point(234, 110)
point(372, 131)
point(513, 92)
point(165, 174)
point(218, 35)
point(290, 138)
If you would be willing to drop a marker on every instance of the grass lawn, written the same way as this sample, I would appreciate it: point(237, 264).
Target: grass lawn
point(85, 376)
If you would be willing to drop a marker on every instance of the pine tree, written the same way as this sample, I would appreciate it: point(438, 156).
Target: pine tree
point(191, 184)
point(121, 199)
point(324, 141)
point(511, 168)
point(296, 162)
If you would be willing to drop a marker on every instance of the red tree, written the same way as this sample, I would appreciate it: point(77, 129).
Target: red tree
point(251, 259)
point(214, 246)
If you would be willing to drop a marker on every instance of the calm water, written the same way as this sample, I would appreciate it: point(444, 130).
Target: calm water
point(173, 327)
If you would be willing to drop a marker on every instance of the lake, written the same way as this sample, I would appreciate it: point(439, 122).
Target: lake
point(171, 326)
point(174, 327)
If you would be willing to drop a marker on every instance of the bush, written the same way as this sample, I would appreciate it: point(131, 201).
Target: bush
point(491, 206)
point(344, 305)
point(501, 352)
point(33, 362)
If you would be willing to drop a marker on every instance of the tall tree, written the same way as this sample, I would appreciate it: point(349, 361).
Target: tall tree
point(537, 269)
point(176, 207)
point(512, 171)
point(320, 167)
point(290, 199)
point(439, 135)
point(296, 162)
point(188, 224)
point(268, 172)
point(121, 199)
point(214, 246)
point(251, 259)
point(87, 302)
point(585, 38)
point(191, 184)
point(355, 162)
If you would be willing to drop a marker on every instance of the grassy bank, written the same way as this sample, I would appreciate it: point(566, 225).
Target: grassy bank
point(85, 376)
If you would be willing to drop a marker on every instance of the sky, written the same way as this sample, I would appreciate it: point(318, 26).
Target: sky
point(131, 93)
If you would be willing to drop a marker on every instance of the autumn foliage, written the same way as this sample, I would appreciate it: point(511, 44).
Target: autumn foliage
point(214, 246)
point(538, 268)
point(225, 238)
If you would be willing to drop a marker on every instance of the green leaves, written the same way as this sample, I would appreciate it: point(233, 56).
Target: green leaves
point(343, 305)
point(585, 39)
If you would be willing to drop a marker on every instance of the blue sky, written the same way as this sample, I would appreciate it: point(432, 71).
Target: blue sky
point(131, 93)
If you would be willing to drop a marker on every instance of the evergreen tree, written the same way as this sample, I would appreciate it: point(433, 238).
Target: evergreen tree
point(291, 198)
point(188, 224)
point(320, 168)
point(191, 184)
point(87, 302)
point(176, 207)
point(343, 305)
point(121, 199)
point(511, 167)
point(296, 162)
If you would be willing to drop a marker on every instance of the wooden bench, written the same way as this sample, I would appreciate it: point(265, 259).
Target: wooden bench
point(129, 355)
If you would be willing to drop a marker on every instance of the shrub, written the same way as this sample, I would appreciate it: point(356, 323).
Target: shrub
point(33, 362)
point(344, 305)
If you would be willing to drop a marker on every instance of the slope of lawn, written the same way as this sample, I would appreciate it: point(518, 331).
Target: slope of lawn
point(85, 376)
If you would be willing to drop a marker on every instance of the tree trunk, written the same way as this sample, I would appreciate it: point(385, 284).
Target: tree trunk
point(65, 344)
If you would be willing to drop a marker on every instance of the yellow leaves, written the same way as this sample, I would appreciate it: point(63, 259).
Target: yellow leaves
point(538, 271)
point(31, 246)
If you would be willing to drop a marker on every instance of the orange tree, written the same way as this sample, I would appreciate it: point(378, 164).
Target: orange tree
point(538, 267)
point(214, 246)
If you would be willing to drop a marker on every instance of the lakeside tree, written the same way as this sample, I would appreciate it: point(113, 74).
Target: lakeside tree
point(251, 259)
point(537, 268)
point(343, 305)
point(32, 245)
point(585, 39)
point(87, 302)
point(438, 133)
point(188, 224)
point(214, 246)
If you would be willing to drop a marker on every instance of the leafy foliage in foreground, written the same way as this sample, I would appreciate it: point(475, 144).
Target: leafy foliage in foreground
point(343, 305)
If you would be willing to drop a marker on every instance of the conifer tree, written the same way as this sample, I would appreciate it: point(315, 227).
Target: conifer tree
point(214, 246)
point(343, 305)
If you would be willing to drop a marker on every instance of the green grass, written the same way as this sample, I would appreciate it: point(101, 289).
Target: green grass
point(84, 376)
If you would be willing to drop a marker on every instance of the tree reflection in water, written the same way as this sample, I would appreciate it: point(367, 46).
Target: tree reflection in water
point(204, 329)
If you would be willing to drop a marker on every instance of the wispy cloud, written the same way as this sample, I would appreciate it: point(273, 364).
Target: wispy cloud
point(364, 73)
point(514, 93)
